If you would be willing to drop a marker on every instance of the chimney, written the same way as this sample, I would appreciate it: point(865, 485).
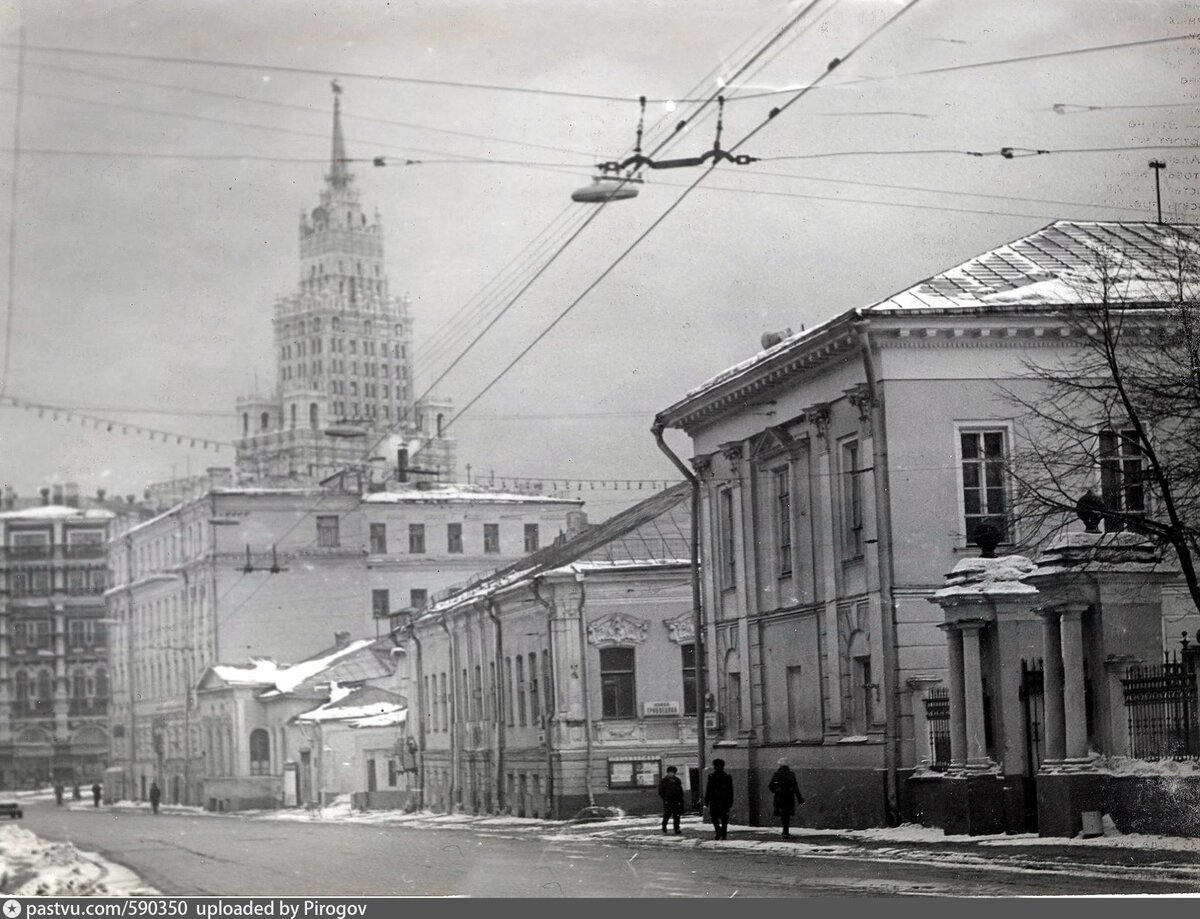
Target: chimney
point(341, 639)
point(56, 494)
point(577, 522)
point(71, 494)
point(220, 477)
point(100, 493)
point(45, 493)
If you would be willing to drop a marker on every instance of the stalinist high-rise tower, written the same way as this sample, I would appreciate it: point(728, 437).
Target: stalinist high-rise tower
point(343, 347)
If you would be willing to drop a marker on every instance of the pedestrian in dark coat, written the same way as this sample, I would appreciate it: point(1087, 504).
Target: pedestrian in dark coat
point(96, 795)
point(58, 793)
point(155, 796)
point(786, 789)
point(670, 789)
point(718, 795)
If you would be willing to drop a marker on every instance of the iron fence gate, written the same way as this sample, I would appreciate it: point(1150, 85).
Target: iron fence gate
point(1033, 705)
point(1161, 701)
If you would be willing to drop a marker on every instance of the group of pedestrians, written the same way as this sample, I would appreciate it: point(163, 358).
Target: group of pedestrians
point(718, 797)
point(76, 795)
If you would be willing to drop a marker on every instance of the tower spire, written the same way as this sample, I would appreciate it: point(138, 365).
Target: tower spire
point(339, 174)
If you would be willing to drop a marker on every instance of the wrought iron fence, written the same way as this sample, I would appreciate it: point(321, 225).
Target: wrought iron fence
point(1161, 701)
point(937, 715)
point(1033, 703)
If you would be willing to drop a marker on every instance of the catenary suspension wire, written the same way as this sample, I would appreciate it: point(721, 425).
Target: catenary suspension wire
point(670, 209)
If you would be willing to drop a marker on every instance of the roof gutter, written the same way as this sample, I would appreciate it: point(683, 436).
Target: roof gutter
point(697, 613)
point(887, 580)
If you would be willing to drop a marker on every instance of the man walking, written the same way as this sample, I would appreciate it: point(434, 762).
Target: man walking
point(786, 791)
point(718, 795)
point(96, 794)
point(155, 796)
point(670, 789)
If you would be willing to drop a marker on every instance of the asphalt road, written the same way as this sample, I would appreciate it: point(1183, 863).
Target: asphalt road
point(231, 855)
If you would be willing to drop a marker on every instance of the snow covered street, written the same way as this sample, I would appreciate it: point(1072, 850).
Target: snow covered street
point(30, 866)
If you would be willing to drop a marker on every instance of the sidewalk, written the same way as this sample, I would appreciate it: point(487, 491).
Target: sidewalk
point(1159, 856)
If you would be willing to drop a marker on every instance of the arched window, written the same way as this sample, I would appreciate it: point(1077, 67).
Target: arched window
point(312, 415)
point(22, 687)
point(265, 421)
point(260, 752)
point(78, 684)
point(440, 421)
point(101, 684)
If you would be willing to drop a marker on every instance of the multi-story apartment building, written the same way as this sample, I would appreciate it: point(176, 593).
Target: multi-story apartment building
point(55, 679)
point(343, 349)
point(246, 571)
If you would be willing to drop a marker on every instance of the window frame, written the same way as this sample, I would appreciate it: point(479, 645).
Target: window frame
point(850, 496)
point(612, 679)
point(1123, 433)
point(491, 539)
point(1004, 426)
point(533, 537)
point(454, 538)
point(727, 537)
point(380, 610)
point(378, 538)
point(329, 531)
point(416, 539)
point(781, 483)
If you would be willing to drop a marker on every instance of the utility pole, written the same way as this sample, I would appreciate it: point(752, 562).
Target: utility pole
point(1158, 166)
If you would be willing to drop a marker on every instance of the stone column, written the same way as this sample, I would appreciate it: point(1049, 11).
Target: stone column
point(1074, 702)
point(1052, 686)
point(958, 722)
point(972, 664)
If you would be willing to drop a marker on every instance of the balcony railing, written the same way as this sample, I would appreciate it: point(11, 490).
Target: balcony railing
point(84, 550)
point(29, 552)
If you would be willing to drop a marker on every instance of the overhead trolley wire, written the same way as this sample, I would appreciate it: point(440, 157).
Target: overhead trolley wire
point(671, 208)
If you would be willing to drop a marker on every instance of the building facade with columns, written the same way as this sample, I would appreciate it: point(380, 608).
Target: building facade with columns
point(343, 351)
point(831, 520)
point(566, 680)
point(246, 571)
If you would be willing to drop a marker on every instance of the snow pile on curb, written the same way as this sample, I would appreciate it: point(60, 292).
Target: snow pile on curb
point(33, 867)
point(1125, 765)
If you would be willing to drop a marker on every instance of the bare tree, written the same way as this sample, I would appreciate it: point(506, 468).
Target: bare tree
point(1119, 413)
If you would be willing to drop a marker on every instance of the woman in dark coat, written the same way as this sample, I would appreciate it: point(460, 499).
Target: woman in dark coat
point(786, 789)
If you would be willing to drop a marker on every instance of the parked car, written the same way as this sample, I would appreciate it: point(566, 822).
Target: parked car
point(12, 809)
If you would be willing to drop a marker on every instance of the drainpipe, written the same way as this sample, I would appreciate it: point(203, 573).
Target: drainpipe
point(549, 691)
point(697, 614)
point(411, 631)
point(129, 666)
point(453, 710)
point(583, 681)
point(501, 714)
point(887, 579)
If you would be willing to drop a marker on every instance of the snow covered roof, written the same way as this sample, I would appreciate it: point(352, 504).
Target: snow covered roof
point(462, 494)
point(988, 577)
point(284, 678)
point(57, 512)
point(378, 707)
point(1048, 268)
point(652, 533)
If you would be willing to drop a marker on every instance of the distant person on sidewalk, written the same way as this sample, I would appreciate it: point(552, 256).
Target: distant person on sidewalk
point(670, 789)
point(718, 795)
point(96, 795)
point(58, 793)
point(786, 789)
point(155, 796)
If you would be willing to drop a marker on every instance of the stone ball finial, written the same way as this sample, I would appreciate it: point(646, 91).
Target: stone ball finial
point(1090, 510)
point(987, 537)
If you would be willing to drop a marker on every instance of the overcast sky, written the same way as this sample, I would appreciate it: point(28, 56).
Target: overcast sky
point(145, 282)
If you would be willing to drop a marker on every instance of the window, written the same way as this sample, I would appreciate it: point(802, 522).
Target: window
point(521, 690)
point(379, 539)
point(852, 515)
point(726, 534)
point(491, 538)
point(535, 709)
point(783, 520)
point(445, 706)
point(380, 606)
point(984, 494)
point(1121, 477)
point(688, 653)
point(477, 695)
point(78, 685)
point(260, 752)
point(427, 705)
point(531, 537)
point(617, 688)
point(632, 772)
point(327, 532)
point(508, 690)
point(418, 597)
point(454, 537)
point(416, 537)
